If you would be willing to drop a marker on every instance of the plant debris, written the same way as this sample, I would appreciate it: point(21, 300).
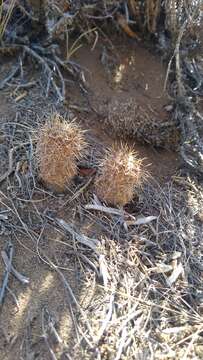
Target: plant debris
point(101, 282)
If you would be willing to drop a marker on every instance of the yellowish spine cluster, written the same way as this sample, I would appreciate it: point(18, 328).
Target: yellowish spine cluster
point(120, 174)
point(60, 144)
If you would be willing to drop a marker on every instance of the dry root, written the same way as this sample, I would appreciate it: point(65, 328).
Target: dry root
point(121, 172)
point(60, 144)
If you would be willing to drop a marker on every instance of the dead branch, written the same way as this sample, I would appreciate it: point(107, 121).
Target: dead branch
point(23, 279)
point(49, 71)
point(105, 209)
point(81, 238)
point(7, 273)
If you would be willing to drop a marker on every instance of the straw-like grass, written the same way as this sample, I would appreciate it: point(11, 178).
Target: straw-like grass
point(5, 14)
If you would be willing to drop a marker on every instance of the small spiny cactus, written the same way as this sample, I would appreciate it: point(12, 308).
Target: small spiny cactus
point(121, 173)
point(59, 145)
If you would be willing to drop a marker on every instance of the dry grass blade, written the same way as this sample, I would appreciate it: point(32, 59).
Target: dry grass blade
point(5, 14)
point(106, 321)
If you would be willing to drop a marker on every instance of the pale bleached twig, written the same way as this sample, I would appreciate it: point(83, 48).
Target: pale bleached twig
point(23, 279)
point(81, 238)
point(105, 209)
point(175, 275)
point(6, 274)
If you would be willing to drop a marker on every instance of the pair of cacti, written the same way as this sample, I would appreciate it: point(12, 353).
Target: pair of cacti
point(61, 144)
